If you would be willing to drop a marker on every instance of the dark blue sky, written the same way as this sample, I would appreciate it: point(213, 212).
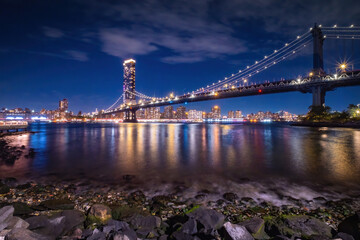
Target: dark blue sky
point(51, 50)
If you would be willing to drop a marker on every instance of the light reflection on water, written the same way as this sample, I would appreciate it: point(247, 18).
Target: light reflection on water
point(177, 151)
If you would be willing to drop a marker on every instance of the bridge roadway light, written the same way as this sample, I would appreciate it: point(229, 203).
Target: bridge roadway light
point(343, 66)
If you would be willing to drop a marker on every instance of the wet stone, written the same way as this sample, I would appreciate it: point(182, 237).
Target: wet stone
point(58, 204)
point(231, 197)
point(237, 232)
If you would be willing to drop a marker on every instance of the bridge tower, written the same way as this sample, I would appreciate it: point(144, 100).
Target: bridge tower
point(129, 89)
point(318, 65)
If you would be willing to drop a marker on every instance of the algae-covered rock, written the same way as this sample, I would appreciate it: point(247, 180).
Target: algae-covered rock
point(58, 204)
point(301, 226)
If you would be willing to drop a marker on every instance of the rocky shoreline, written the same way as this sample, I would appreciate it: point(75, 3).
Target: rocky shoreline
point(37, 211)
point(327, 124)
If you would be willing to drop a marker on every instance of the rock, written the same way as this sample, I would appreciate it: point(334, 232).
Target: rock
point(300, 226)
point(58, 204)
point(231, 197)
point(25, 234)
point(4, 189)
point(182, 236)
point(16, 222)
point(148, 222)
point(10, 181)
point(190, 227)
point(138, 196)
point(124, 212)
point(209, 218)
point(237, 232)
point(50, 227)
point(3, 233)
point(6, 214)
point(344, 236)
point(23, 186)
point(351, 225)
point(73, 218)
point(22, 209)
point(100, 212)
point(128, 234)
point(97, 235)
point(253, 225)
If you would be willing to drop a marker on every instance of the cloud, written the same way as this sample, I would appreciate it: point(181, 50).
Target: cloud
point(121, 44)
point(53, 32)
point(183, 29)
point(77, 55)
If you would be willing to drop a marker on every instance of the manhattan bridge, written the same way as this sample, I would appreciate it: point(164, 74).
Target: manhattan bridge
point(318, 82)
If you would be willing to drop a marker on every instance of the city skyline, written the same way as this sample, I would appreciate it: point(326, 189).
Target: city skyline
point(83, 61)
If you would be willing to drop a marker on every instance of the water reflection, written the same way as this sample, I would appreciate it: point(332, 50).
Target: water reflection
point(175, 151)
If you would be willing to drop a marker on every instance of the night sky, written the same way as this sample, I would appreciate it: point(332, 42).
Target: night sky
point(50, 50)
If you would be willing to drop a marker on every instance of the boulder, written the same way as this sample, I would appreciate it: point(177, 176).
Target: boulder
point(255, 226)
point(4, 188)
point(237, 232)
point(344, 236)
point(58, 204)
point(231, 197)
point(48, 227)
point(6, 213)
point(100, 212)
point(73, 218)
point(209, 218)
point(190, 227)
point(22, 209)
point(182, 236)
point(351, 226)
point(97, 235)
point(300, 226)
point(128, 234)
point(16, 222)
point(148, 222)
point(25, 234)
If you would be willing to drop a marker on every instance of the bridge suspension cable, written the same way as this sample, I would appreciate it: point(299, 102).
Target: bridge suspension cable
point(253, 69)
point(268, 61)
point(234, 81)
point(115, 103)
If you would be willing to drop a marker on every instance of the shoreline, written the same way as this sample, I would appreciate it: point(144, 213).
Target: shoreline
point(327, 124)
point(35, 201)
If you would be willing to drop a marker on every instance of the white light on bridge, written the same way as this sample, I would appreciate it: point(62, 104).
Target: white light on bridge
point(352, 25)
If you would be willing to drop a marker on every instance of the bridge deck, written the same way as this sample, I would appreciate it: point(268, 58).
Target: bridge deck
point(305, 85)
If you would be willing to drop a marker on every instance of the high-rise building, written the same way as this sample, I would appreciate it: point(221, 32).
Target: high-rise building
point(216, 112)
point(238, 114)
point(231, 114)
point(152, 113)
point(140, 113)
point(181, 112)
point(195, 115)
point(169, 112)
point(129, 82)
point(63, 105)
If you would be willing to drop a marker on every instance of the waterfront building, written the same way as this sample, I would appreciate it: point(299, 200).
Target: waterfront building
point(216, 112)
point(231, 114)
point(129, 82)
point(238, 114)
point(195, 115)
point(168, 112)
point(63, 105)
point(181, 112)
point(140, 113)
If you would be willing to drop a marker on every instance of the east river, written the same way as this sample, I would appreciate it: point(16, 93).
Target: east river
point(177, 151)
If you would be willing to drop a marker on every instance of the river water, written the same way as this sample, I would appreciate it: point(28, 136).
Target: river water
point(176, 152)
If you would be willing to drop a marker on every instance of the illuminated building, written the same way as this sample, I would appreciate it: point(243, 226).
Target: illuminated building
point(129, 82)
point(238, 114)
point(231, 114)
point(63, 105)
point(169, 112)
point(152, 113)
point(216, 112)
point(181, 112)
point(195, 115)
point(140, 113)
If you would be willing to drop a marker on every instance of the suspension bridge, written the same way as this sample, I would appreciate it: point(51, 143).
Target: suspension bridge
point(318, 82)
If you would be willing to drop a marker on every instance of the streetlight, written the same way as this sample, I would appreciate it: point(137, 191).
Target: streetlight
point(343, 66)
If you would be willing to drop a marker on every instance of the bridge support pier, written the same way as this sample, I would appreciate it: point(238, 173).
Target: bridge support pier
point(318, 96)
point(130, 116)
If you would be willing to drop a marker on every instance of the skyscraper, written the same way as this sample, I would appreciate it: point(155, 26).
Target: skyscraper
point(129, 82)
point(231, 114)
point(238, 114)
point(181, 112)
point(63, 105)
point(216, 112)
point(169, 112)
